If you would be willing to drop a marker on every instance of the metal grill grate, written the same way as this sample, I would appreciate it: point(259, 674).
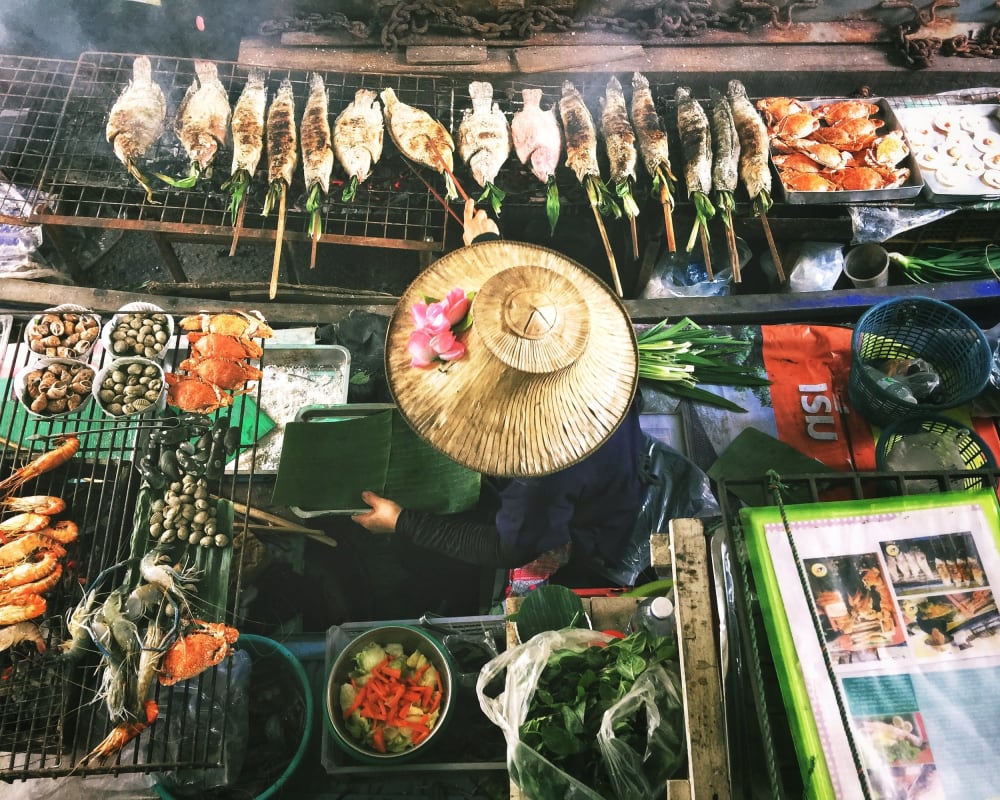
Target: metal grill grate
point(51, 712)
point(762, 751)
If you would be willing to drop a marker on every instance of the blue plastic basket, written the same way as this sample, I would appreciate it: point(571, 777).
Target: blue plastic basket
point(911, 328)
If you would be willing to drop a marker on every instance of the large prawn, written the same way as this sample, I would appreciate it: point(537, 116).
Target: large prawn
point(46, 462)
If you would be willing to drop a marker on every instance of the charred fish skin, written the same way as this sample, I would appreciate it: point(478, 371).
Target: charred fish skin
point(484, 139)
point(282, 137)
point(754, 168)
point(619, 138)
point(248, 124)
point(202, 121)
point(581, 135)
point(536, 135)
point(358, 134)
point(654, 146)
point(420, 137)
point(138, 116)
point(725, 144)
point(314, 135)
point(696, 144)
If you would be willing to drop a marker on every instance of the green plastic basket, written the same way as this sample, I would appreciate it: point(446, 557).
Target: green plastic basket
point(917, 328)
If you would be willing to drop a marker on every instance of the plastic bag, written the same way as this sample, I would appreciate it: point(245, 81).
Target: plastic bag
point(635, 775)
point(877, 223)
point(676, 488)
point(682, 274)
point(816, 266)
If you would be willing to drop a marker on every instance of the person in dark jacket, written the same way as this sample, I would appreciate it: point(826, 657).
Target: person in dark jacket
point(542, 403)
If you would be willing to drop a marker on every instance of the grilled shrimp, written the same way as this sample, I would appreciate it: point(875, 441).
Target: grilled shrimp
point(39, 565)
point(63, 452)
point(36, 504)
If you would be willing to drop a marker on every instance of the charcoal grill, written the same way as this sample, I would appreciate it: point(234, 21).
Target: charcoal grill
point(50, 712)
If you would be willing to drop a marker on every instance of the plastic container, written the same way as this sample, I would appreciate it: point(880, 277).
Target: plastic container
point(916, 328)
point(655, 615)
point(261, 647)
point(411, 638)
point(933, 444)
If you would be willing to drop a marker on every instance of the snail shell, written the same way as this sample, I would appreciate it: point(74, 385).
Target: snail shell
point(57, 390)
point(39, 404)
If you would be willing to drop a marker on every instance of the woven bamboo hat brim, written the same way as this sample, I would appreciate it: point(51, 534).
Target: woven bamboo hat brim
point(549, 371)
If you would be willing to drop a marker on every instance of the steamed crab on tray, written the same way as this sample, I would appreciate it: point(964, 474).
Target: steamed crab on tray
point(835, 151)
point(956, 149)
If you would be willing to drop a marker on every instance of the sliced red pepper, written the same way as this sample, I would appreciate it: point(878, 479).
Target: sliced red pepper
point(378, 739)
point(354, 706)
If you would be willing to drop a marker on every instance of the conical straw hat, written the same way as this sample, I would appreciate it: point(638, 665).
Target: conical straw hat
point(549, 371)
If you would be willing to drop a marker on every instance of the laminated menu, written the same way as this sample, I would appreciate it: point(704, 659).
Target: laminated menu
point(883, 623)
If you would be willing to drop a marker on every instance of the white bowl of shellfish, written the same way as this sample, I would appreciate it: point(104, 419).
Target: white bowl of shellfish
point(54, 387)
point(129, 386)
point(140, 330)
point(66, 331)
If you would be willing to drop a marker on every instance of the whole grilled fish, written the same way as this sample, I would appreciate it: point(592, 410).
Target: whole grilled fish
point(581, 135)
point(420, 137)
point(281, 135)
point(754, 168)
point(696, 142)
point(483, 135)
point(619, 138)
point(652, 138)
point(137, 119)
point(248, 124)
point(536, 135)
point(725, 145)
point(358, 133)
point(314, 135)
point(202, 120)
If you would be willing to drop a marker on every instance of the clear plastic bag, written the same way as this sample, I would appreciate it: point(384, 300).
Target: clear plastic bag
point(682, 274)
point(635, 775)
point(878, 223)
point(815, 266)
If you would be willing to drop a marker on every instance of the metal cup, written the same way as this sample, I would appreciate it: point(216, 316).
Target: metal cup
point(867, 266)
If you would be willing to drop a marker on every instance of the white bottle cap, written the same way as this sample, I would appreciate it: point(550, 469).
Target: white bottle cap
point(661, 607)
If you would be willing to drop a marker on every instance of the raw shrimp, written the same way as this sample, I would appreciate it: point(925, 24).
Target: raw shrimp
point(21, 609)
point(63, 452)
point(17, 551)
point(36, 504)
point(42, 564)
point(154, 569)
point(123, 734)
point(21, 632)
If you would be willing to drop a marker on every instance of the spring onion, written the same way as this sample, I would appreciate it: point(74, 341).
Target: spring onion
point(940, 264)
point(680, 357)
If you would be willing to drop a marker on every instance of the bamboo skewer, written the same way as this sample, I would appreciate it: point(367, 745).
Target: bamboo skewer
point(668, 218)
point(635, 238)
point(607, 249)
point(274, 522)
point(707, 251)
point(273, 289)
point(238, 227)
point(312, 254)
point(774, 249)
point(734, 254)
point(439, 198)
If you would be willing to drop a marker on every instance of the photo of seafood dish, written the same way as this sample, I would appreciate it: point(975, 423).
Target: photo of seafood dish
point(917, 566)
point(965, 623)
point(855, 605)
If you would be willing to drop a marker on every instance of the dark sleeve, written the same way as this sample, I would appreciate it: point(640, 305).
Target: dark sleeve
point(463, 539)
point(489, 236)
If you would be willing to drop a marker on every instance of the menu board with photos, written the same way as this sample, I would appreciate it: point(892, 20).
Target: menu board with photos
point(884, 626)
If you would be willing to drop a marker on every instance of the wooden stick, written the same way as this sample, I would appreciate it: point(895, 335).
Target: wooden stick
point(734, 254)
point(240, 213)
point(668, 218)
point(439, 198)
point(273, 288)
point(444, 166)
point(312, 255)
point(706, 250)
point(635, 238)
point(774, 250)
point(272, 519)
point(607, 249)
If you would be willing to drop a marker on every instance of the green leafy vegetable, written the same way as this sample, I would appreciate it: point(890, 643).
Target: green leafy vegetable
point(940, 264)
point(552, 203)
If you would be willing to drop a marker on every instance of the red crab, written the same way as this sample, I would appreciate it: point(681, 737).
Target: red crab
point(193, 653)
point(226, 373)
point(234, 323)
point(191, 393)
point(221, 345)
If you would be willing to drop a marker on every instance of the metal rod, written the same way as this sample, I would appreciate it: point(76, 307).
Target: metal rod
point(166, 422)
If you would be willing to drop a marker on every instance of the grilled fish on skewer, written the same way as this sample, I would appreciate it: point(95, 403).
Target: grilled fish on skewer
point(696, 145)
point(317, 154)
point(619, 142)
point(484, 141)
point(654, 149)
point(725, 169)
point(137, 118)
point(358, 132)
point(248, 138)
point(537, 139)
point(282, 158)
point(754, 170)
point(581, 149)
point(420, 138)
point(202, 122)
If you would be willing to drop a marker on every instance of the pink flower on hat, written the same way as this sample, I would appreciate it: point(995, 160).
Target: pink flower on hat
point(435, 325)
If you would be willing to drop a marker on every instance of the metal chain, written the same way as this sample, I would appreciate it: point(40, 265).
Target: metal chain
point(780, 18)
point(918, 52)
point(776, 486)
point(311, 23)
point(416, 17)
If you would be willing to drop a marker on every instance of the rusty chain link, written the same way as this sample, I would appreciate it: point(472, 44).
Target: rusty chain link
point(918, 52)
point(313, 23)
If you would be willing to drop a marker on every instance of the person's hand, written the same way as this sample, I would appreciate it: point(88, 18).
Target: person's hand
point(382, 518)
point(477, 222)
